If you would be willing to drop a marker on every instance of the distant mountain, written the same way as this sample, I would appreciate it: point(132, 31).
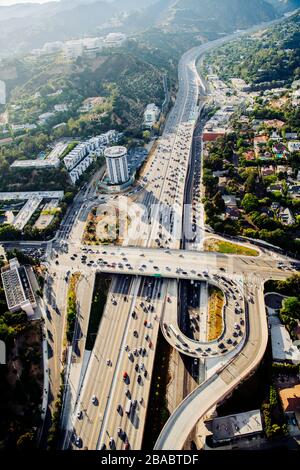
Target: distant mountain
point(207, 16)
point(284, 6)
point(221, 15)
point(27, 26)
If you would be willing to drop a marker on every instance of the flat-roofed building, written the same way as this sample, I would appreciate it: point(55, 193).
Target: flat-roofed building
point(17, 287)
point(51, 161)
point(283, 349)
point(151, 115)
point(24, 195)
point(233, 427)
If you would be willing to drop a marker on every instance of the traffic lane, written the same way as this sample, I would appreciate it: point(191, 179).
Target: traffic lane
point(234, 322)
point(133, 343)
point(100, 375)
point(168, 265)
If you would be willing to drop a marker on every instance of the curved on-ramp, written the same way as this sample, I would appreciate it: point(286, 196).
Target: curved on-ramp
point(196, 347)
point(222, 383)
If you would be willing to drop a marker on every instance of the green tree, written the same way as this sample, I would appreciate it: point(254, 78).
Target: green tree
point(250, 203)
point(26, 441)
point(291, 307)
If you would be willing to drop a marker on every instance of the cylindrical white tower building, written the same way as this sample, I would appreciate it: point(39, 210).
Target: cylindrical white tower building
point(117, 166)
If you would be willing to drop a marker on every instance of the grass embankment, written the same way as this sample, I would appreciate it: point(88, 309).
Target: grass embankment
point(158, 413)
point(215, 319)
point(101, 288)
point(71, 310)
point(219, 246)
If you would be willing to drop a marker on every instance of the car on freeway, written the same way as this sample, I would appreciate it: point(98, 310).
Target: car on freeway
point(78, 442)
point(112, 444)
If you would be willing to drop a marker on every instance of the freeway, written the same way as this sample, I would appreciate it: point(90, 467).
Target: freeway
point(99, 419)
point(166, 183)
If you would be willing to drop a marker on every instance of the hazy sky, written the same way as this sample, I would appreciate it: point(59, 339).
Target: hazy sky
point(12, 2)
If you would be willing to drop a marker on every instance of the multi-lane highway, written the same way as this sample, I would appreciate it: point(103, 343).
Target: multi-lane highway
point(111, 403)
point(164, 182)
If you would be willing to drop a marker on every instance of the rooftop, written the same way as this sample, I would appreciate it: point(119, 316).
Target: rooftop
point(115, 152)
point(282, 345)
point(16, 284)
point(242, 424)
point(23, 196)
point(290, 398)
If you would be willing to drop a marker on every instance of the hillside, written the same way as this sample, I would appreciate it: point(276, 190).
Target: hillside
point(284, 6)
point(273, 56)
point(125, 78)
point(225, 15)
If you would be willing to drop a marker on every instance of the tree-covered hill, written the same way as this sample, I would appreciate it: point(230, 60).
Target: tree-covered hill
point(270, 57)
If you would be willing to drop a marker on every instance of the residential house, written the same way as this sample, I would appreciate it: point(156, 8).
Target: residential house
point(249, 155)
point(223, 183)
point(275, 187)
point(268, 171)
point(294, 146)
point(229, 200)
point(275, 137)
point(281, 169)
point(274, 123)
point(260, 142)
point(232, 213)
point(294, 192)
point(286, 217)
point(217, 174)
point(291, 136)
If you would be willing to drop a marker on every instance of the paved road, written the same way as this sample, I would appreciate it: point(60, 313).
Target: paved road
point(164, 190)
point(217, 387)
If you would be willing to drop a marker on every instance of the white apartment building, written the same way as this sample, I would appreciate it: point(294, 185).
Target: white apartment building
point(117, 165)
point(151, 115)
point(114, 39)
point(73, 49)
point(80, 169)
point(95, 144)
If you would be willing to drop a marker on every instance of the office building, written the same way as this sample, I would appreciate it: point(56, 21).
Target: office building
point(117, 165)
point(17, 287)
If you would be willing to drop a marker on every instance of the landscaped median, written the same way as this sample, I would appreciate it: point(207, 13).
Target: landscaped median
point(71, 310)
point(215, 313)
point(221, 246)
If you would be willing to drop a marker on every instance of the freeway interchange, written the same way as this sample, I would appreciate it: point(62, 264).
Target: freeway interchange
point(108, 389)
